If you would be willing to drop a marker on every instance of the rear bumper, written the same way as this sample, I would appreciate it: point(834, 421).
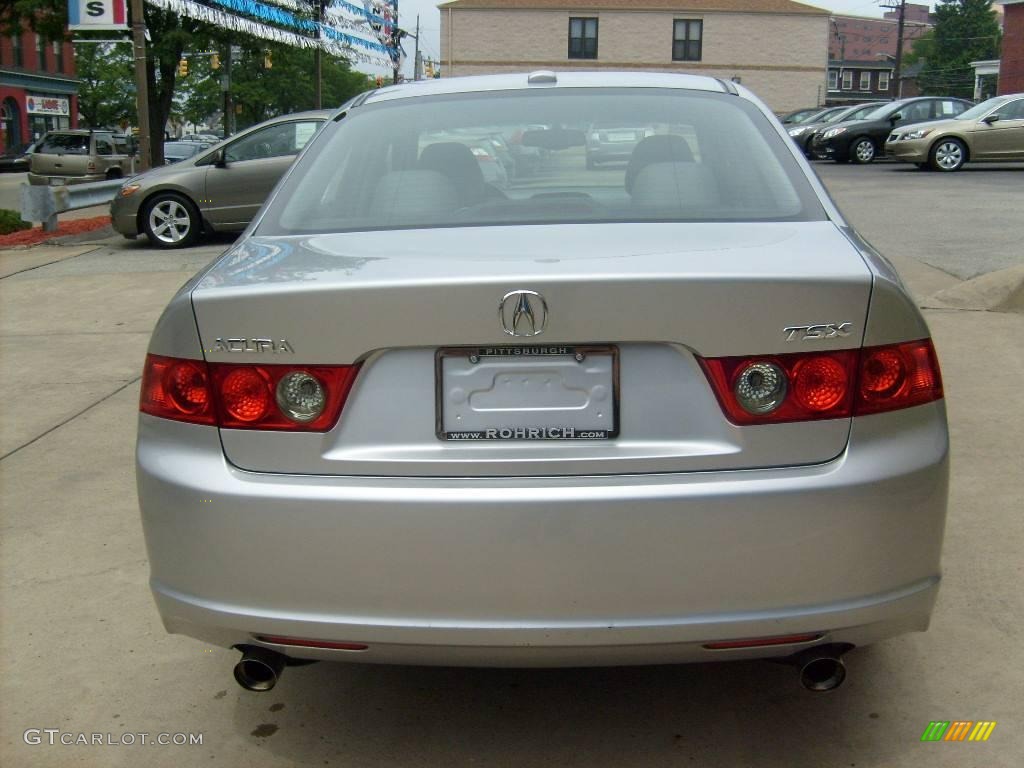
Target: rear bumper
point(549, 571)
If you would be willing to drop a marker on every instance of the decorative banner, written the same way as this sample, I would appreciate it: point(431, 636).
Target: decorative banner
point(339, 44)
point(97, 14)
point(47, 105)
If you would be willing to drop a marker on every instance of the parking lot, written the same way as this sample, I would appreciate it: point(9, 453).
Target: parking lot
point(84, 652)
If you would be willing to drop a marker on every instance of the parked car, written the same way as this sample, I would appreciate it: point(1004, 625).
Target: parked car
point(176, 151)
point(207, 137)
point(613, 142)
point(992, 131)
point(799, 115)
point(218, 189)
point(861, 141)
point(803, 133)
point(76, 156)
point(676, 411)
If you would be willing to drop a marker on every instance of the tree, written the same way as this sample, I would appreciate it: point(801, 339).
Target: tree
point(260, 92)
point(106, 93)
point(965, 31)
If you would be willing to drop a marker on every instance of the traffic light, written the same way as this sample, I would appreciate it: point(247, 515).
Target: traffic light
point(267, 61)
point(215, 61)
point(183, 68)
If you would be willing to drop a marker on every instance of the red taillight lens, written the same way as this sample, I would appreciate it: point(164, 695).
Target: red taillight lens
point(898, 376)
point(176, 389)
point(244, 396)
point(820, 383)
point(832, 385)
point(818, 386)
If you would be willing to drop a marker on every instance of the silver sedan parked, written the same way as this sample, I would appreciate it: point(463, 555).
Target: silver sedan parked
point(669, 411)
point(218, 189)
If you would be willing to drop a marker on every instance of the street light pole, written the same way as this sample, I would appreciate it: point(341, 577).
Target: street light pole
point(141, 84)
point(318, 64)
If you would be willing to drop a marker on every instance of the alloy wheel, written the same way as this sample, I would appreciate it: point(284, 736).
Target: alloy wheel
point(865, 151)
point(169, 221)
point(949, 155)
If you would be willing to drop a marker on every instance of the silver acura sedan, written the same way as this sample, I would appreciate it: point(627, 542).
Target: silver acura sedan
point(673, 410)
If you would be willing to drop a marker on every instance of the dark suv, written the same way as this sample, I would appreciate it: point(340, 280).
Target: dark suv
point(861, 141)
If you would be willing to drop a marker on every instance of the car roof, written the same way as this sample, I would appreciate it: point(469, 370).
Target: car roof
point(543, 80)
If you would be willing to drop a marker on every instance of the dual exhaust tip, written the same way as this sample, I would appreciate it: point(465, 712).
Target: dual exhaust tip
point(821, 668)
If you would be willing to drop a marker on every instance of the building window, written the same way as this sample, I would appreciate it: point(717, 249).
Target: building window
point(16, 52)
point(865, 81)
point(58, 55)
point(40, 54)
point(833, 80)
point(582, 38)
point(883, 81)
point(848, 80)
point(687, 37)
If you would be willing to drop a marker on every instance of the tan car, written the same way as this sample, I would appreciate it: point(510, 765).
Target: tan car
point(77, 156)
point(218, 189)
point(992, 131)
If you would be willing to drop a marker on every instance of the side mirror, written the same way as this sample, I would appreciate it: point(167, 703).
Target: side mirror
point(219, 160)
point(893, 119)
point(989, 119)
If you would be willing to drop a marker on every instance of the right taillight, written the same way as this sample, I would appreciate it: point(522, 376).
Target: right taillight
point(274, 397)
point(808, 386)
point(897, 376)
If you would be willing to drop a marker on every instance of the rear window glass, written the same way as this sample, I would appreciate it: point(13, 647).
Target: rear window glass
point(536, 157)
point(65, 144)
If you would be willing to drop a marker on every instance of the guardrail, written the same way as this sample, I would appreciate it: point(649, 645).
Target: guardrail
point(43, 203)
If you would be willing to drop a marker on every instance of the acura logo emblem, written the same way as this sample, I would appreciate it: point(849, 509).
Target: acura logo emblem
point(523, 313)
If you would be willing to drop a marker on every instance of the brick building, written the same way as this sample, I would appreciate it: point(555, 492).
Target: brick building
point(775, 47)
point(1011, 63)
point(854, 82)
point(38, 89)
point(858, 38)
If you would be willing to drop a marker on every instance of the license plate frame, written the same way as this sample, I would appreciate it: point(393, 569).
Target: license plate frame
point(535, 353)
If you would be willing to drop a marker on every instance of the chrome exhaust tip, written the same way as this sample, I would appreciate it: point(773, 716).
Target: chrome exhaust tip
point(259, 669)
point(824, 673)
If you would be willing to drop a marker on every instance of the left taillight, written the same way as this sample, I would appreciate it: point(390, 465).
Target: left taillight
point(177, 389)
point(267, 397)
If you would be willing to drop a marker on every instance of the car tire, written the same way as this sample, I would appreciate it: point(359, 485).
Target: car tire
point(947, 155)
point(170, 221)
point(114, 173)
point(863, 151)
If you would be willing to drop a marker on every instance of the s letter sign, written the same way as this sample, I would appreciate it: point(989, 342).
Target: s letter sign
point(97, 14)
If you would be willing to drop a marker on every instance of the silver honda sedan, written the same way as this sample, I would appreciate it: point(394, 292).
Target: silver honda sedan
point(671, 410)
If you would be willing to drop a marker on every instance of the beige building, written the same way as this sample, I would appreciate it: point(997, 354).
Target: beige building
point(778, 48)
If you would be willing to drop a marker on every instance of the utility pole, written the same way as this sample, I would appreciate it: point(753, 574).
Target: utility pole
point(416, 73)
point(900, 6)
point(396, 40)
point(842, 53)
point(225, 86)
point(141, 84)
point(318, 58)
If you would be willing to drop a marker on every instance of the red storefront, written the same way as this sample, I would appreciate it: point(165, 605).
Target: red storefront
point(38, 89)
point(1011, 67)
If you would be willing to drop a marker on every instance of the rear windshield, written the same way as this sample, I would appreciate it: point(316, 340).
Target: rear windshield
point(65, 144)
point(536, 157)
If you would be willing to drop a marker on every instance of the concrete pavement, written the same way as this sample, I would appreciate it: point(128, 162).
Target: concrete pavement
point(83, 650)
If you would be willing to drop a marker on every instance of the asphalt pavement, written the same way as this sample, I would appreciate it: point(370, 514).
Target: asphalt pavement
point(83, 650)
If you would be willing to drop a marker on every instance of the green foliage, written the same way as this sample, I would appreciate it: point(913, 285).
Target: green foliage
point(260, 93)
point(965, 31)
point(106, 93)
point(47, 17)
point(10, 221)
